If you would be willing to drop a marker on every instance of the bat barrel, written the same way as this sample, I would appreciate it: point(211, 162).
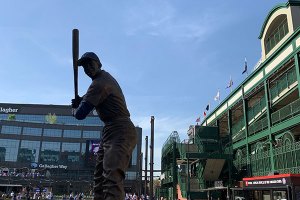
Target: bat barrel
point(75, 52)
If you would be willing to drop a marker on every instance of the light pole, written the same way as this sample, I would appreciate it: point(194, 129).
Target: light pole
point(146, 165)
point(140, 164)
point(151, 158)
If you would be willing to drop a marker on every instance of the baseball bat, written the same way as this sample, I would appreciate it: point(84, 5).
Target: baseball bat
point(75, 52)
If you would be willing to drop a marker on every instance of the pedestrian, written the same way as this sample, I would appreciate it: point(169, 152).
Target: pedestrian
point(119, 134)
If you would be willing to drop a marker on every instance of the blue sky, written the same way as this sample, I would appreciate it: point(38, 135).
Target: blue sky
point(169, 56)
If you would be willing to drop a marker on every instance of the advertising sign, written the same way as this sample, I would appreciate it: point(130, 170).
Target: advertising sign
point(92, 147)
point(267, 182)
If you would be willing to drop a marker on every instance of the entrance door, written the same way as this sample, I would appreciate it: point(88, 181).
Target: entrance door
point(266, 195)
point(280, 195)
point(260, 195)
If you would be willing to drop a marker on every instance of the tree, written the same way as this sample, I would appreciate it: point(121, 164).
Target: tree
point(51, 118)
point(11, 117)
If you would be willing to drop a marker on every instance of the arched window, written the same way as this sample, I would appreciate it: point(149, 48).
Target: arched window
point(276, 31)
point(259, 148)
point(288, 139)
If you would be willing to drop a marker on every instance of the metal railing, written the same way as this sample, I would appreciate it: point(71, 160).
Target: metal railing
point(167, 146)
point(240, 163)
point(238, 130)
point(260, 163)
point(286, 160)
point(285, 112)
point(285, 82)
point(169, 177)
point(258, 126)
point(258, 107)
point(182, 181)
point(186, 146)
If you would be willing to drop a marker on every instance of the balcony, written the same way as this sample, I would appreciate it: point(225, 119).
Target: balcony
point(256, 110)
point(258, 126)
point(238, 130)
point(286, 112)
point(283, 85)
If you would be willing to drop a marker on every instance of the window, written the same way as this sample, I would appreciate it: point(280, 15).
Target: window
point(91, 134)
point(83, 150)
point(91, 121)
point(9, 150)
point(29, 151)
point(52, 132)
point(70, 152)
point(130, 176)
point(70, 147)
point(134, 156)
point(72, 133)
point(32, 131)
point(11, 130)
point(50, 151)
point(280, 195)
point(278, 29)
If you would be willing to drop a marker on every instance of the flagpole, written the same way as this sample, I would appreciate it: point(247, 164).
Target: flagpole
point(219, 96)
point(230, 84)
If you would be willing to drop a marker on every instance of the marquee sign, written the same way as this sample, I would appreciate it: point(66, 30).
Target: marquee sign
point(267, 181)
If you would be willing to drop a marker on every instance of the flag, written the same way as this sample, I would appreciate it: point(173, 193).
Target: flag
point(217, 97)
point(204, 114)
point(230, 83)
point(245, 67)
point(198, 119)
point(207, 107)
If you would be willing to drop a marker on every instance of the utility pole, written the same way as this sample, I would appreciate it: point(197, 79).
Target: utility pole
point(151, 158)
point(146, 164)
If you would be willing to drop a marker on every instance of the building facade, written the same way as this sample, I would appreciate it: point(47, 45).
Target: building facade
point(252, 136)
point(45, 147)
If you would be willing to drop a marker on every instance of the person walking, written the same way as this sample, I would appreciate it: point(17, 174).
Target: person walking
point(119, 134)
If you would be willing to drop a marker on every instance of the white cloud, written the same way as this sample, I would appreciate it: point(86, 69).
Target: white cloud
point(164, 20)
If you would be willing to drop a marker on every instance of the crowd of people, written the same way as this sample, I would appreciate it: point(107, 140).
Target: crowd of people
point(71, 196)
point(24, 195)
point(130, 196)
point(43, 195)
point(22, 174)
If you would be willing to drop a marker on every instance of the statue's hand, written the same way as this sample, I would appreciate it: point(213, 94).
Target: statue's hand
point(76, 101)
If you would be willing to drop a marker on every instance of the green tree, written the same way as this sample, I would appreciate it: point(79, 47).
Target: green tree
point(11, 117)
point(51, 118)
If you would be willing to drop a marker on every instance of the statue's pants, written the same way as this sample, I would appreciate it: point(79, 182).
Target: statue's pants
point(116, 146)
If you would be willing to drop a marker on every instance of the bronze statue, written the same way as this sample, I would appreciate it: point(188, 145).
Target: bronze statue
point(119, 134)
